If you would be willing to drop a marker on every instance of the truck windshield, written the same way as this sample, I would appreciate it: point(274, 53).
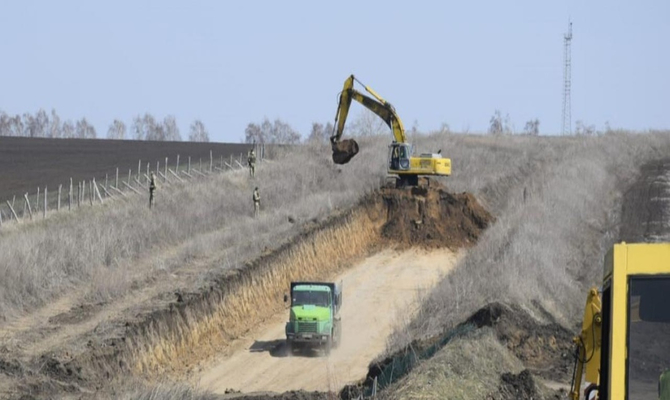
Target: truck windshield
point(649, 338)
point(312, 298)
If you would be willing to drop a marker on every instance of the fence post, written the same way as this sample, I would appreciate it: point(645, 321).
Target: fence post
point(200, 164)
point(97, 191)
point(69, 197)
point(60, 186)
point(78, 194)
point(44, 213)
point(177, 169)
point(129, 171)
point(211, 161)
point(30, 211)
point(139, 169)
point(117, 178)
point(37, 200)
point(83, 191)
point(11, 208)
point(231, 161)
point(90, 192)
point(222, 162)
point(189, 164)
point(147, 180)
point(166, 168)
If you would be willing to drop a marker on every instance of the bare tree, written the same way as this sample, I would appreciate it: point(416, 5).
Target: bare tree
point(16, 126)
point(117, 130)
point(532, 127)
point(170, 128)
point(445, 128)
point(283, 133)
point(54, 126)
point(145, 128)
point(41, 121)
point(278, 132)
point(582, 129)
point(253, 134)
point(367, 123)
point(137, 128)
point(198, 132)
point(320, 133)
point(5, 124)
point(150, 127)
point(499, 125)
point(68, 131)
point(29, 126)
point(84, 130)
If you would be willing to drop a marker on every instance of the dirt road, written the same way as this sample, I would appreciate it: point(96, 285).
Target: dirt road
point(378, 293)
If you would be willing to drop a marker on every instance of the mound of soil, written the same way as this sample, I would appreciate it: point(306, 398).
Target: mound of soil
point(545, 350)
point(432, 217)
point(291, 395)
point(516, 386)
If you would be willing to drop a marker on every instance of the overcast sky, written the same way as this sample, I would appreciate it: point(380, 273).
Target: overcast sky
point(231, 63)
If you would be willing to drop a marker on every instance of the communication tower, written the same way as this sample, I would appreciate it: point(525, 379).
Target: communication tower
point(566, 128)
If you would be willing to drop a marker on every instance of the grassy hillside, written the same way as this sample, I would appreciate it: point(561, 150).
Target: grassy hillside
point(556, 200)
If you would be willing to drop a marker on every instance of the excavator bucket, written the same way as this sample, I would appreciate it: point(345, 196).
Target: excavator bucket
point(344, 151)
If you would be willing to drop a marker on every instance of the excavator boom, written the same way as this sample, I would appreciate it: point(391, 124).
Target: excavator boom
point(377, 105)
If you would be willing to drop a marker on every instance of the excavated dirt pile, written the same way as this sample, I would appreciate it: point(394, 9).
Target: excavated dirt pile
point(516, 386)
point(545, 350)
point(432, 217)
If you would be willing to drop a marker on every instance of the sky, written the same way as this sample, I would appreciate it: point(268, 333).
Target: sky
point(230, 63)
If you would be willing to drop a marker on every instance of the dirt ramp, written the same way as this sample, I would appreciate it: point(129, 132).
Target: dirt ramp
point(433, 217)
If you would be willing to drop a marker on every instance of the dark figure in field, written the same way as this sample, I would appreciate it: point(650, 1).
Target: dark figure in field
point(152, 189)
point(251, 161)
point(257, 202)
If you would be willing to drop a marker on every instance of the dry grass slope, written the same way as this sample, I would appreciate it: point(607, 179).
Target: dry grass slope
point(544, 249)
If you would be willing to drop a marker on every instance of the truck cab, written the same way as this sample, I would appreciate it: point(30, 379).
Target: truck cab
point(314, 319)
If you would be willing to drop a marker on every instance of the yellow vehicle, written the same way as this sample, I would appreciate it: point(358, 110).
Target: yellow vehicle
point(401, 163)
point(623, 351)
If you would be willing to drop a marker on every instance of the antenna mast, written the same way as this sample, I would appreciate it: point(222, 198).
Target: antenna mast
point(566, 127)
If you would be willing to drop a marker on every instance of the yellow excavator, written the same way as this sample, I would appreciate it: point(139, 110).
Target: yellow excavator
point(623, 351)
point(401, 163)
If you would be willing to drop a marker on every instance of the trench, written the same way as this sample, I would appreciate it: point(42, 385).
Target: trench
point(195, 328)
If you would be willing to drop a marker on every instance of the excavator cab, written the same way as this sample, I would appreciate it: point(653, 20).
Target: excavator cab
point(399, 154)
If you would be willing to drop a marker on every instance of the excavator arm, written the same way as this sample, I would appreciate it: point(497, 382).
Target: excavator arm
point(589, 344)
point(345, 150)
point(377, 105)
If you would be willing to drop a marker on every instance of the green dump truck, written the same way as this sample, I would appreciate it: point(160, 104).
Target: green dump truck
point(314, 319)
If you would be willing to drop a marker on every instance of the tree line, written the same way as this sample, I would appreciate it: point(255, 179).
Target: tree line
point(143, 127)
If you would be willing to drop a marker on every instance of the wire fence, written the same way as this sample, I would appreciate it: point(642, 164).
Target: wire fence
point(116, 184)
